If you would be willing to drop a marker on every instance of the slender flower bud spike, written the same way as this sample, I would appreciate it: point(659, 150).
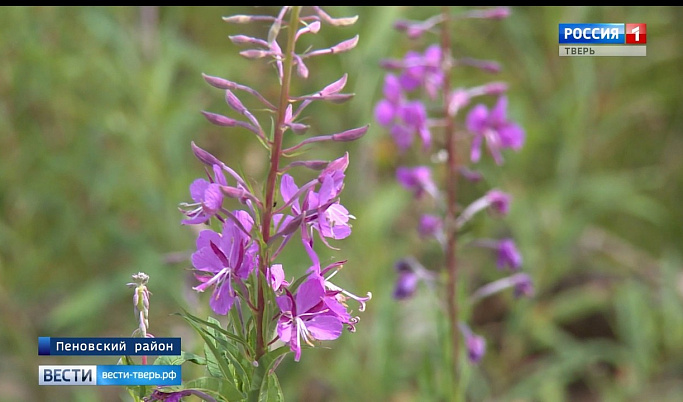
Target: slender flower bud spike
point(496, 13)
point(234, 102)
point(222, 83)
point(277, 24)
point(301, 68)
point(208, 159)
point(340, 47)
point(255, 53)
point(345, 21)
point(204, 156)
point(239, 193)
point(220, 120)
point(351, 135)
point(329, 93)
point(244, 39)
point(484, 65)
point(335, 87)
point(313, 165)
point(313, 28)
point(226, 121)
point(242, 19)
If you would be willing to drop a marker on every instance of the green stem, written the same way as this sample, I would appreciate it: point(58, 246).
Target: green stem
point(451, 211)
point(271, 182)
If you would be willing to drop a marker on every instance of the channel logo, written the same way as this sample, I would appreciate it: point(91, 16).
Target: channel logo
point(603, 34)
point(636, 34)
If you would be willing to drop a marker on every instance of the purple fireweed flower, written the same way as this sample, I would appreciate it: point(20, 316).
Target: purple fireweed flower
point(333, 218)
point(499, 201)
point(429, 225)
point(322, 209)
point(457, 100)
point(521, 282)
point(524, 285)
point(506, 252)
point(207, 197)
point(392, 90)
point(410, 273)
point(415, 29)
point(423, 70)
point(476, 347)
point(276, 277)
point(176, 396)
point(508, 255)
point(340, 294)
point(406, 284)
point(307, 317)
point(334, 292)
point(417, 179)
point(494, 127)
point(414, 117)
point(471, 175)
point(386, 109)
point(475, 344)
point(225, 261)
point(405, 118)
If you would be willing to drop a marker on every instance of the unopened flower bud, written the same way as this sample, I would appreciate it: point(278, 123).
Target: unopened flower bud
point(350, 135)
point(219, 120)
point(495, 88)
point(255, 53)
point(234, 102)
point(345, 45)
point(458, 99)
point(335, 21)
point(239, 19)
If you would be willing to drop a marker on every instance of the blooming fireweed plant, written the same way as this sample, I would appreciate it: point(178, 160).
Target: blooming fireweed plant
point(268, 309)
point(453, 132)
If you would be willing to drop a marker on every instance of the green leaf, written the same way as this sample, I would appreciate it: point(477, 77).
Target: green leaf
point(217, 327)
point(266, 369)
point(270, 390)
point(178, 360)
point(242, 368)
point(219, 388)
point(214, 363)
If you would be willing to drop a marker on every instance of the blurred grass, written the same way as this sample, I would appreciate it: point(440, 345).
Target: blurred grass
point(98, 106)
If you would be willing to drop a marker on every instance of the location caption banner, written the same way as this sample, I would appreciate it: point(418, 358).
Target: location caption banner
point(603, 50)
point(48, 346)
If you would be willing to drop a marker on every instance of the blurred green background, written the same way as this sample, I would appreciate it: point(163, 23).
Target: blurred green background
point(98, 106)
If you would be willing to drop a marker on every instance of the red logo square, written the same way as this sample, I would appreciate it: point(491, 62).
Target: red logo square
point(636, 34)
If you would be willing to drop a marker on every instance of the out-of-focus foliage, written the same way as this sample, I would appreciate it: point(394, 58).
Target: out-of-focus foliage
point(98, 106)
